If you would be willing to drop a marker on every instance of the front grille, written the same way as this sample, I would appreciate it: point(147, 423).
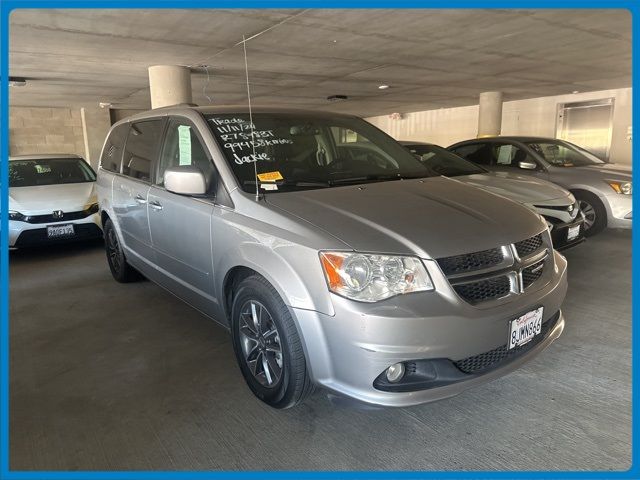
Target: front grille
point(559, 208)
point(532, 273)
point(493, 358)
point(472, 261)
point(485, 289)
point(495, 273)
point(528, 246)
point(67, 216)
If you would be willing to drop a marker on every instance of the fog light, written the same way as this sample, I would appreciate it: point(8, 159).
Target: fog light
point(395, 372)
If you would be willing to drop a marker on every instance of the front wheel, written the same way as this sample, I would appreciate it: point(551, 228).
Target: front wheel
point(595, 215)
point(120, 268)
point(267, 345)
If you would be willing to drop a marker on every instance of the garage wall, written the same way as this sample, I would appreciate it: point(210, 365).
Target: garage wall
point(81, 131)
point(45, 130)
point(535, 116)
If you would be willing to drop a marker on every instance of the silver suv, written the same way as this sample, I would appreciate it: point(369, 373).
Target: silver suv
point(603, 190)
point(358, 271)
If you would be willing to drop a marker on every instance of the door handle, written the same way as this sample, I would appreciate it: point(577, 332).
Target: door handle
point(155, 205)
point(140, 199)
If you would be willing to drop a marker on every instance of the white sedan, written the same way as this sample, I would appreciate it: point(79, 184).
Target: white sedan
point(52, 199)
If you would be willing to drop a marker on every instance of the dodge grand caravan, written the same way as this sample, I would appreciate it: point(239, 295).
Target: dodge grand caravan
point(362, 272)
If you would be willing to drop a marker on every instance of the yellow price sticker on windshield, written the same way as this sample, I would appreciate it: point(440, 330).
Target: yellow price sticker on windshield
point(270, 176)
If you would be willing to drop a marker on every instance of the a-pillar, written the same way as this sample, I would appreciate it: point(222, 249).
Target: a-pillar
point(169, 85)
point(490, 115)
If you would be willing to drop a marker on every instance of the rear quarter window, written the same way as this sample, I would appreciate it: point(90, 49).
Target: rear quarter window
point(111, 159)
point(141, 148)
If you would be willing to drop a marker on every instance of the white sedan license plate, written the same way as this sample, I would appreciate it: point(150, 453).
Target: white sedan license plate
point(524, 328)
point(58, 231)
point(573, 232)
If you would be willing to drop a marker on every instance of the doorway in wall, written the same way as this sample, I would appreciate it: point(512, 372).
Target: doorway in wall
point(587, 124)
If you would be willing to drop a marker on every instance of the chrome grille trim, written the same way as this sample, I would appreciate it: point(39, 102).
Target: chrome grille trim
point(489, 284)
point(508, 260)
point(465, 263)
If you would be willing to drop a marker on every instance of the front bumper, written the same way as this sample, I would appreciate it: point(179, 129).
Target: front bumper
point(560, 231)
point(347, 352)
point(23, 234)
point(619, 210)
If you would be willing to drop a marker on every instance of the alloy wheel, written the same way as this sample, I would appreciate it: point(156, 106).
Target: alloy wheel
point(260, 342)
point(113, 250)
point(589, 214)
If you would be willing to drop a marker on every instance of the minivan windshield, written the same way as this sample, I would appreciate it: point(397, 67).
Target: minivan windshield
point(51, 171)
point(300, 151)
point(564, 154)
point(442, 162)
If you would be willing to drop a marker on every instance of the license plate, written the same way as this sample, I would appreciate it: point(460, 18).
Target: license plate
point(524, 328)
point(573, 232)
point(58, 231)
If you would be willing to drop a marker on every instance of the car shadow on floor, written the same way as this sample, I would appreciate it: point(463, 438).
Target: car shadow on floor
point(61, 250)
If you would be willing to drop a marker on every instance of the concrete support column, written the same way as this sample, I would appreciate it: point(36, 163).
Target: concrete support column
point(96, 123)
point(490, 115)
point(169, 85)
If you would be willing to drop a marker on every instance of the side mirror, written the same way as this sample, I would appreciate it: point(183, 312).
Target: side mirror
point(185, 180)
point(527, 165)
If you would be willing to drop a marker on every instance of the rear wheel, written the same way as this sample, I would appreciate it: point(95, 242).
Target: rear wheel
point(120, 268)
point(267, 345)
point(595, 215)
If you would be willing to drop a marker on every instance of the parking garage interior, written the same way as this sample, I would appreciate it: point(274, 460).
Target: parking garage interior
point(110, 376)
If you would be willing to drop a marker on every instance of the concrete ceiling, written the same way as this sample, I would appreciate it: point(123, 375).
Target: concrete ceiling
point(430, 58)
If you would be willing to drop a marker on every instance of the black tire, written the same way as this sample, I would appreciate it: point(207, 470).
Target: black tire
point(120, 269)
point(594, 210)
point(293, 384)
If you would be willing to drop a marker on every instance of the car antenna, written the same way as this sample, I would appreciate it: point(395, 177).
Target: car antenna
point(253, 143)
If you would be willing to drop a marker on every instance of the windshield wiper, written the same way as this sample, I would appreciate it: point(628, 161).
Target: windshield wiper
point(313, 183)
point(375, 178)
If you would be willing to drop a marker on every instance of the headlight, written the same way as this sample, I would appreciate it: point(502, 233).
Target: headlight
point(371, 278)
point(621, 187)
point(93, 208)
point(16, 216)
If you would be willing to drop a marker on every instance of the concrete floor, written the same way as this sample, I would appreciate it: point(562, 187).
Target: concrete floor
point(110, 376)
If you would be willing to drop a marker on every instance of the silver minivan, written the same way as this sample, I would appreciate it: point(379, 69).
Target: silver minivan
point(359, 271)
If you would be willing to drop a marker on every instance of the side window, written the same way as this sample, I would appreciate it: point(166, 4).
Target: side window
point(182, 146)
point(141, 149)
point(112, 154)
point(478, 153)
point(360, 150)
point(508, 155)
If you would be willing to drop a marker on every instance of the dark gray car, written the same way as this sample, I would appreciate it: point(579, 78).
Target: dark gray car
point(365, 275)
point(554, 203)
point(603, 190)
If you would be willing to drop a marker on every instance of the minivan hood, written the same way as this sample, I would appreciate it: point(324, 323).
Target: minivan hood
point(431, 217)
point(44, 199)
point(527, 190)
